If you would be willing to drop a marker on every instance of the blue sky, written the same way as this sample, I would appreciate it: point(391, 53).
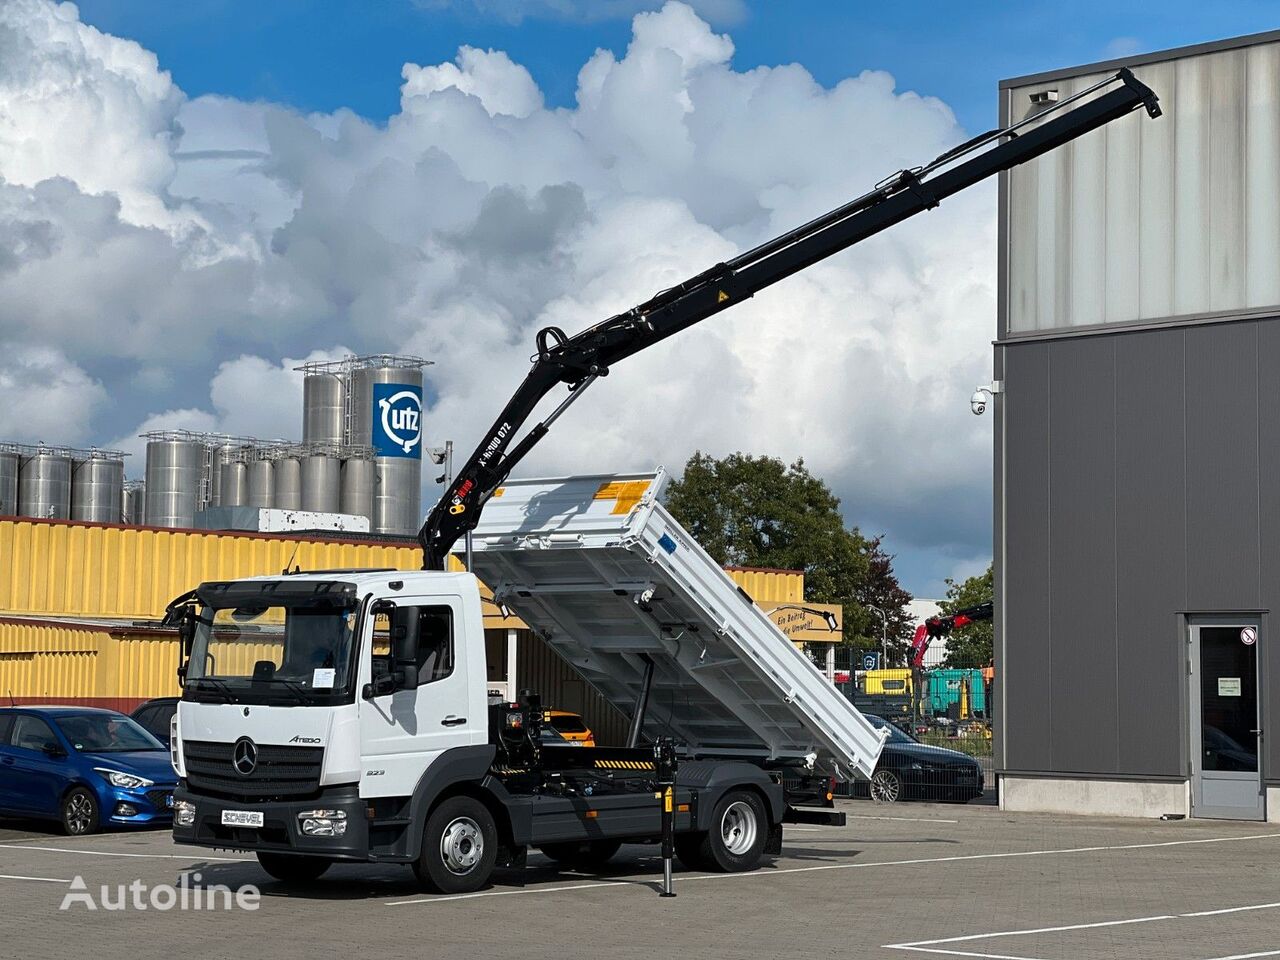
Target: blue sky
point(324, 54)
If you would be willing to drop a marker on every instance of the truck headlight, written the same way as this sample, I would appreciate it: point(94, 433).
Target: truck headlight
point(184, 813)
point(118, 778)
point(323, 823)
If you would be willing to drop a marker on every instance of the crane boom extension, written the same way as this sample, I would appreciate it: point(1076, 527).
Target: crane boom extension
point(578, 360)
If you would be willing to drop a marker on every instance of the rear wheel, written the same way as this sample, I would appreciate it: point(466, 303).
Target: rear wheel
point(293, 868)
point(80, 812)
point(584, 855)
point(459, 847)
point(737, 836)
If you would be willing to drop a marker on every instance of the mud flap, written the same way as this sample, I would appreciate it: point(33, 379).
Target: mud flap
point(773, 844)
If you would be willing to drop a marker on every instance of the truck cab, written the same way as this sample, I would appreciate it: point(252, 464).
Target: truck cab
point(310, 700)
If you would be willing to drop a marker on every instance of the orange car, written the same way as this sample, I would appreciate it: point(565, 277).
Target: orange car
point(570, 726)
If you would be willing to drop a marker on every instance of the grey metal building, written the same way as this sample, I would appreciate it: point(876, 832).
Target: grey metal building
point(1137, 455)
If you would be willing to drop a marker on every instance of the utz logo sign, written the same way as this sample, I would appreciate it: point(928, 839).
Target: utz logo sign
point(397, 420)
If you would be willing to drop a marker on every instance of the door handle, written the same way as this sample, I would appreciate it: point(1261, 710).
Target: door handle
point(1258, 731)
point(8, 761)
point(452, 721)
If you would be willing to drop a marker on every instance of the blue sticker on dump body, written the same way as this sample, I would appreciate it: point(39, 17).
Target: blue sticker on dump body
point(666, 543)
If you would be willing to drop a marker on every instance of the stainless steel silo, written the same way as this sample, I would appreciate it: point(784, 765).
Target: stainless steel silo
point(97, 489)
point(174, 471)
point(233, 484)
point(44, 485)
point(220, 454)
point(9, 463)
point(357, 487)
point(288, 483)
point(397, 491)
point(262, 483)
point(323, 410)
point(135, 504)
point(321, 482)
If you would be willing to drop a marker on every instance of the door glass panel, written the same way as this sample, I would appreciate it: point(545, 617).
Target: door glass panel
point(1228, 699)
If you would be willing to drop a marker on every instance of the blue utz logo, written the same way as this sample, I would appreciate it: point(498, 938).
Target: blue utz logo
point(397, 420)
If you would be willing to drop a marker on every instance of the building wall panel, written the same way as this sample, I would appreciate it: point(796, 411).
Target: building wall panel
point(1143, 220)
point(1151, 559)
point(1023, 658)
point(1082, 655)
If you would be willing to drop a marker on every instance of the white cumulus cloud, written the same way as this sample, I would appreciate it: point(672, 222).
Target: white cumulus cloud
point(209, 238)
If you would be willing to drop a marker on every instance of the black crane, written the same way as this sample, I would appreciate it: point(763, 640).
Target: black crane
point(579, 360)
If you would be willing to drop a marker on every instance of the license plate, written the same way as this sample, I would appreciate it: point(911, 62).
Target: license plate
point(241, 818)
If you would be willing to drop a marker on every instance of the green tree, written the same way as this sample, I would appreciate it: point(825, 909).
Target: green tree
point(881, 591)
point(759, 512)
point(970, 646)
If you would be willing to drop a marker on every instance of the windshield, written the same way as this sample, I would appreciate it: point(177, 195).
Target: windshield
point(103, 733)
point(895, 735)
point(266, 653)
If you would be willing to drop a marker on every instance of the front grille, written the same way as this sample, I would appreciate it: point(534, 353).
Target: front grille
point(160, 798)
point(281, 773)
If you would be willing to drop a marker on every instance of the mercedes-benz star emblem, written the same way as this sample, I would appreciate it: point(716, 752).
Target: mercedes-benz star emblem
point(245, 757)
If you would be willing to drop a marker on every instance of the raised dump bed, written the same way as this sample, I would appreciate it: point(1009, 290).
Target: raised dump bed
point(600, 569)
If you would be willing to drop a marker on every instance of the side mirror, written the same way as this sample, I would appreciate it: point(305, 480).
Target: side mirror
point(53, 751)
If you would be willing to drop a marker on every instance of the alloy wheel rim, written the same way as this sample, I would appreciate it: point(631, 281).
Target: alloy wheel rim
point(884, 787)
point(79, 813)
point(461, 846)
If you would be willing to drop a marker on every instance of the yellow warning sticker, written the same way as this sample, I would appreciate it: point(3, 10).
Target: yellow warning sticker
point(500, 491)
point(721, 297)
point(625, 493)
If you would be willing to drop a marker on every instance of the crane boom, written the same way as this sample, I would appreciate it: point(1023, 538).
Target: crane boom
point(579, 360)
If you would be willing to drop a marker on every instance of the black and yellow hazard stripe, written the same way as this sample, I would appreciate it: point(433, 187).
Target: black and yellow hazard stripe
point(638, 765)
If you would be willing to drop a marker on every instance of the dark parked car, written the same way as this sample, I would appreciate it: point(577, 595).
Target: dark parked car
point(85, 768)
point(155, 716)
point(911, 770)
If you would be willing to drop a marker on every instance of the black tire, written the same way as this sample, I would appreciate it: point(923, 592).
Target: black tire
point(584, 855)
point(79, 813)
point(739, 831)
point(689, 850)
point(886, 787)
point(293, 868)
point(459, 847)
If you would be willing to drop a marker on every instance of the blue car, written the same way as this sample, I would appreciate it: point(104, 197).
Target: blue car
point(88, 769)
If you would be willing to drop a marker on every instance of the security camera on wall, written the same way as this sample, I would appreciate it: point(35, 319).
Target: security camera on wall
point(983, 396)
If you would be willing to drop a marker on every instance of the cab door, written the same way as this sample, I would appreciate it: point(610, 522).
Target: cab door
point(402, 733)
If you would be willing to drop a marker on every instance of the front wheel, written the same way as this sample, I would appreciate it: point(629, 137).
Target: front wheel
point(886, 787)
point(293, 868)
point(737, 836)
point(459, 847)
point(80, 813)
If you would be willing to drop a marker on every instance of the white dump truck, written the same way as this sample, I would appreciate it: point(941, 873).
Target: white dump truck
point(343, 714)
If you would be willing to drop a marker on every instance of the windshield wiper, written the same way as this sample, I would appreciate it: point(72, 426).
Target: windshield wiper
point(297, 689)
point(219, 685)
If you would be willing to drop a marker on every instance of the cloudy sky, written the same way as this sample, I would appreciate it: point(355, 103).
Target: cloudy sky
point(194, 198)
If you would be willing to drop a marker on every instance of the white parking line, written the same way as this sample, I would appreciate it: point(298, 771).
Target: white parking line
point(936, 946)
point(867, 865)
point(36, 879)
point(855, 816)
point(141, 856)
